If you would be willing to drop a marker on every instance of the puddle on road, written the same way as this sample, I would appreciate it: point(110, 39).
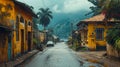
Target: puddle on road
point(94, 63)
point(90, 63)
point(97, 62)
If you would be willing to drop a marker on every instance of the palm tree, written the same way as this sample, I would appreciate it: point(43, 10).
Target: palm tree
point(97, 8)
point(111, 8)
point(45, 15)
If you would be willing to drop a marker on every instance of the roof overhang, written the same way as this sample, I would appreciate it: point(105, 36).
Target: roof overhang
point(98, 19)
point(26, 8)
point(5, 28)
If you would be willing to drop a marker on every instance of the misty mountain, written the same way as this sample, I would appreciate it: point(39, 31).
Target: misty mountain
point(61, 23)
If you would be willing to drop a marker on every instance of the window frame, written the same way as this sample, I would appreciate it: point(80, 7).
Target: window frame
point(99, 34)
point(22, 20)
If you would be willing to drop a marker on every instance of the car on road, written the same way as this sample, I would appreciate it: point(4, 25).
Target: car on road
point(50, 43)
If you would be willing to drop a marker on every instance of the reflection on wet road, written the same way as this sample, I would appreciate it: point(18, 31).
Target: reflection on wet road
point(58, 56)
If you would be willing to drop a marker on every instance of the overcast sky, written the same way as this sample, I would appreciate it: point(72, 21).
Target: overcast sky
point(64, 12)
point(59, 6)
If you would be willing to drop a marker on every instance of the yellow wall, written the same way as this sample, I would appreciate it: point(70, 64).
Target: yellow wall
point(4, 35)
point(103, 42)
point(18, 11)
point(92, 42)
point(91, 38)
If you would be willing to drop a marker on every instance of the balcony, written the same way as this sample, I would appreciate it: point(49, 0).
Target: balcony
point(7, 24)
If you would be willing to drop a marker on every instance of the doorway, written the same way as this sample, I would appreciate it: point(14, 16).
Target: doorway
point(22, 41)
point(29, 41)
point(9, 46)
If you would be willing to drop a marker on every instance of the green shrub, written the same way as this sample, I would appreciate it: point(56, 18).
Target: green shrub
point(35, 41)
point(113, 37)
point(117, 46)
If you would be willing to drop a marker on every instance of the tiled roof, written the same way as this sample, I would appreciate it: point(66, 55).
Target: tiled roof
point(100, 17)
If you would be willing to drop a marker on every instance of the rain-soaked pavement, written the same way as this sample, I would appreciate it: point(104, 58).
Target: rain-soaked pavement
point(58, 56)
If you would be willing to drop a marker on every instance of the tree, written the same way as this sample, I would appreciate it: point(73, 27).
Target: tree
point(113, 37)
point(45, 15)
point(111, 8)
point(97, 8)
point(35, 22)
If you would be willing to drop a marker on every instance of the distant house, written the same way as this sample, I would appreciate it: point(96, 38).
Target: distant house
point(93, 31)
point(15, 33)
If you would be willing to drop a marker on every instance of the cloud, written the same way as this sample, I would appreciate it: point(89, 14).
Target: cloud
point(70, 6)
point(59, 6)
point(55, 8)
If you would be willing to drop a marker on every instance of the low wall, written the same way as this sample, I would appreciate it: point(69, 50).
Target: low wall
point(112, 52)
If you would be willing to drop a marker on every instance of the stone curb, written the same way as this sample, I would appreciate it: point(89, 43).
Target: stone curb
point(20, 60)
point(26, 58)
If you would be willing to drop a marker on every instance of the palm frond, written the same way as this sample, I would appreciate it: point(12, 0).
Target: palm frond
point(45, 16)
point(47, 9)
point(42, 10)
point(31, 7)
point(49, 15)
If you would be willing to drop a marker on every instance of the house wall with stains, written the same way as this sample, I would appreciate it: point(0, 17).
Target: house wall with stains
point(24, 43)
point(6, 26)
point(93, 43)
point(21, 36)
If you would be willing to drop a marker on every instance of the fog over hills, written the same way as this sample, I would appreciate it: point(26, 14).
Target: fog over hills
point(64, 13)
point(61, 23)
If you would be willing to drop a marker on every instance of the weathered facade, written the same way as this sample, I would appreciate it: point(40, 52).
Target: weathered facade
point(42, 36)
point(18, 40)
point(39, 35)
point(93, 32)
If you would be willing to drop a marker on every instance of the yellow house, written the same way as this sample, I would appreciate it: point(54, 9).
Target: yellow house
point(42, 36)
point(93, 32)
point(39, 35)
point(17, 31)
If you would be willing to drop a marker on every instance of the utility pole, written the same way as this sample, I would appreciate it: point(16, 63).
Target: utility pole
point(72, 32)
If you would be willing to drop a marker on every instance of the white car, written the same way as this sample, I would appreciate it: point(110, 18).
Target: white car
point(50, 43)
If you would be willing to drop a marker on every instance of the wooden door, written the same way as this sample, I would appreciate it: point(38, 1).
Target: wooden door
point(22, 41)
point(9, 46)
point(29, 41)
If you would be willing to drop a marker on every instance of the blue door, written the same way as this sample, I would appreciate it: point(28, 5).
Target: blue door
point(9, 47)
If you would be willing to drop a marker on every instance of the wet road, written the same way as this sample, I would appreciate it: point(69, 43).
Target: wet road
point(58, 56)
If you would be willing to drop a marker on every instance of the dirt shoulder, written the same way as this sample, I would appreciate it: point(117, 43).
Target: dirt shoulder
point(97, 57)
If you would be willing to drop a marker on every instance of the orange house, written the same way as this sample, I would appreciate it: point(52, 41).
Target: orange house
point(17, 31)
